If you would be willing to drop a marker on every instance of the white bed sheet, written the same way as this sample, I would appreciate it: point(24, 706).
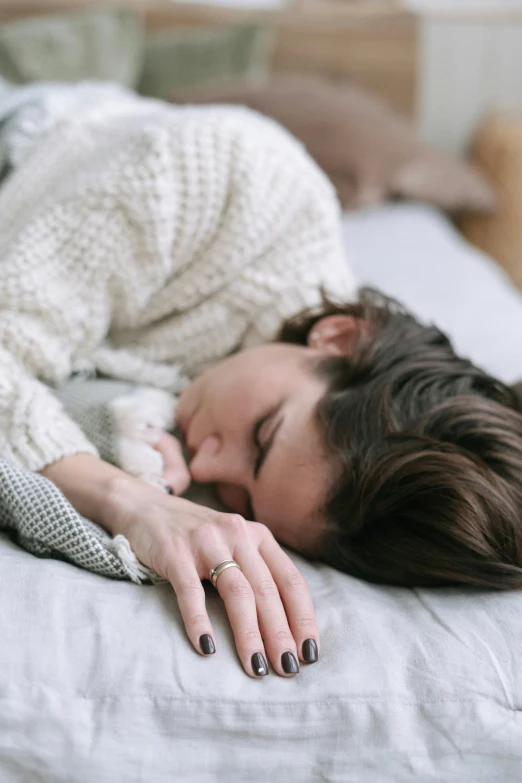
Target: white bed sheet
point(99, 683)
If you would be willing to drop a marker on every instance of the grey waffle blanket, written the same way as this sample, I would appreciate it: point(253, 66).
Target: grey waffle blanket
point(39, 516)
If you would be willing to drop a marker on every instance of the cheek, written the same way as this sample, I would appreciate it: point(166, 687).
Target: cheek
point(234, 498)
point(291, 522)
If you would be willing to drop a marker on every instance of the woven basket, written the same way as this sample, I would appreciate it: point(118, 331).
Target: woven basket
point(498, 153)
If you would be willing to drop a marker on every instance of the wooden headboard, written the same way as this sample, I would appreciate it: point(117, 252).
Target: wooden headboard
point(409, 59)
point(372, 44)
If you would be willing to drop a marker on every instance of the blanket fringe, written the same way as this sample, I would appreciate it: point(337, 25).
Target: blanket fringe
point(138, 572)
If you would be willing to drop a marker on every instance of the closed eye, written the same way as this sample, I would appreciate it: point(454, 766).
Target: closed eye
point(260, 449)
point(264, 448)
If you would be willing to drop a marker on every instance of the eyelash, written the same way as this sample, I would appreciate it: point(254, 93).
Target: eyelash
point(255, 438)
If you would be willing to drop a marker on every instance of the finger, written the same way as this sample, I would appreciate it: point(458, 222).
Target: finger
point(175, 471)
point(273, 622)
point(240, 605)
point(190, 594)
point(295, 596)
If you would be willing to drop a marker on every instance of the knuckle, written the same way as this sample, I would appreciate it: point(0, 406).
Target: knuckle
point(295, 580)
point(282, 634)
point(267, 588)
point(234, 522)
point(162, 562)
point(190, 590)
point(306, 621)
point(239, 588)
point(250, 635)
point(196, 621)
point(261, 531)
point(165, 568)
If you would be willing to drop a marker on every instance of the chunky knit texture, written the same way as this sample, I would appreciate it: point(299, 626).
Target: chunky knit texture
point(146, 241)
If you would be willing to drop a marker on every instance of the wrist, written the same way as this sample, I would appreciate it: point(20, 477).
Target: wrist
point(93, 487)
point(120, 500)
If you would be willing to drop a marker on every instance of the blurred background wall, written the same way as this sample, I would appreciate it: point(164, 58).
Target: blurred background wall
point(470, 64)
point(445, 65)
point(444, 62)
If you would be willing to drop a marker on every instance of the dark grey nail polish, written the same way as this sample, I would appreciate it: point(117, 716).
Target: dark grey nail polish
point(207, 644)
point(310, 653)
point(259, 666)
point(289, 663)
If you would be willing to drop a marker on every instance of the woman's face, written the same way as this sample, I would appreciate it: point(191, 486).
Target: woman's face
point(249, 427)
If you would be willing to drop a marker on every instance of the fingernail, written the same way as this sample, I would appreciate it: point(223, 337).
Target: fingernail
point(259, 666)
point(289, 663)
point(310, 653)
point(207, 644)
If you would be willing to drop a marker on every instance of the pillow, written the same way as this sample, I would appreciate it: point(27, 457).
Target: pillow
point(369, 152)
point(189, 57)
point(412, 252)
point(498, 150)
point(100, 44)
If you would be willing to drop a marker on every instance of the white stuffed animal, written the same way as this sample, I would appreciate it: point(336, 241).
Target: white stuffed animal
point(140, 418)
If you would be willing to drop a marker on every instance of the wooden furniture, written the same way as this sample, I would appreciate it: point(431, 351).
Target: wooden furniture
point(498, 151)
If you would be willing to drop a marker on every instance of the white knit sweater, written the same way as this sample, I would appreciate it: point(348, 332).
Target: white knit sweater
point(143, 239)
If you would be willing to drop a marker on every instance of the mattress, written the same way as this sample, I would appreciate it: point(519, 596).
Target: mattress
point(98, 681)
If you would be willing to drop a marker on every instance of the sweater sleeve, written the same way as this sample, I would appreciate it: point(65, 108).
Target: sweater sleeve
point(54, 303)
point(34, 428)
point(65, 232)
point(44, 309)
point(49, 299)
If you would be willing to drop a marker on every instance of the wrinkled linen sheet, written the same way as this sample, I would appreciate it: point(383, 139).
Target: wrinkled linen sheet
point(99, 682)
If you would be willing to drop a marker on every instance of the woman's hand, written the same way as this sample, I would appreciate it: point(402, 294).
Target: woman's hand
point(267, 601)
point(176, 474)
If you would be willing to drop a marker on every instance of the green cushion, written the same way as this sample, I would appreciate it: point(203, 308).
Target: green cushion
point(188, 57)
point(99, 44)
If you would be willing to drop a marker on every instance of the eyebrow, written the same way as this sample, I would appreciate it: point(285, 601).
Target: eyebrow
point(265, 450)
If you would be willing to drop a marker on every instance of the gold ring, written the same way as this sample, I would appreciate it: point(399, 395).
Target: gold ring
point(215, 572)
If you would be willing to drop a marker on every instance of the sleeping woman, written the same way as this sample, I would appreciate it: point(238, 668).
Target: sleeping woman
point(197, 250)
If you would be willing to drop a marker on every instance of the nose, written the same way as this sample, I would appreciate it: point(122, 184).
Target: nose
point(221, 463)
point(207, 465)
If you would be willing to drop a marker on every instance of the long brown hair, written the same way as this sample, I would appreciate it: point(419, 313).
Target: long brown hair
point(428, 453)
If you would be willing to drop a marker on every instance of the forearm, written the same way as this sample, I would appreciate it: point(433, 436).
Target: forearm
point(91, 486)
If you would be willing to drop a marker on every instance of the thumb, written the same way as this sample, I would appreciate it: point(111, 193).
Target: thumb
point(176, 474)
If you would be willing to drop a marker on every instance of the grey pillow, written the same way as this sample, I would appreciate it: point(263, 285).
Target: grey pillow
point(184, 57)
point(99, 44)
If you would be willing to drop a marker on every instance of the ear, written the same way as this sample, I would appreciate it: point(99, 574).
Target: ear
point(336, 334)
